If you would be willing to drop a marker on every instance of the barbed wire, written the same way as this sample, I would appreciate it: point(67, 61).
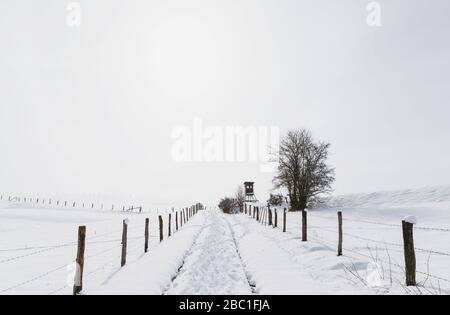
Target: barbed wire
point(427, 251)
point(96, 270)
point(384, 261)
point(423, 228)
point(7, 260)
point(345, 218)
point(33, 279)
point(46, 248)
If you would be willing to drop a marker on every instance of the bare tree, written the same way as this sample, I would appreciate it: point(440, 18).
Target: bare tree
point(303, 170)
point(240, 198)
point(276, 200)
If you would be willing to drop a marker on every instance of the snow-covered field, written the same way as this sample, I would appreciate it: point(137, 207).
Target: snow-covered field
point(232, 254)
point(373, 245)
point(38, 245)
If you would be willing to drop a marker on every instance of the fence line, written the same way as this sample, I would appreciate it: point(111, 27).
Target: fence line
point(408, 242)
point(418, 227)
point(427, 251)
point(65, 203)
point(189, 213)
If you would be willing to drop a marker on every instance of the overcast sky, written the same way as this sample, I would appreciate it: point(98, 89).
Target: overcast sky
point(92, 109)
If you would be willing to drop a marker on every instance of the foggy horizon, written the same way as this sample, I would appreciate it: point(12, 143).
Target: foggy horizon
point(92, 109)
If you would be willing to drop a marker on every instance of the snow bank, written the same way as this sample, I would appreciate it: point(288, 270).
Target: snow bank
point(213, 265)
point(413, 197)
point(153, 273)
point(274, 269)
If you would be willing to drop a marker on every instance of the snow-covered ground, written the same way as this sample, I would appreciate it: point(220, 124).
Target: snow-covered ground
point(373, 244)
point(217, 253)
point(153, 273)
point(38, 245)
point(213, 265)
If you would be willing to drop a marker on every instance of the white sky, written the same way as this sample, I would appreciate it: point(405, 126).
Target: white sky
point(91, 110)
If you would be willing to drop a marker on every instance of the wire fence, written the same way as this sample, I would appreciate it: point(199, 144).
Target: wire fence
point(137, 239)
point(328, 227)
point(67, 203)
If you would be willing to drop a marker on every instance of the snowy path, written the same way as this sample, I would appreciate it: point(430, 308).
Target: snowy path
point(213, 265)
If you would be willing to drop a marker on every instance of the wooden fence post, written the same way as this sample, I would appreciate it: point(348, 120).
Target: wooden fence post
point(161, 232)
point(78, 283)
point(276, 219)
point(176, 220)
point(340, 233)
point(170, 224)
point(270, 217)
point(410, 255)
point(304, 226)
point(147, 223)
point(124, 242)
point(257, 214)
point(284, 221)
point(245, 208)
point(181, 218)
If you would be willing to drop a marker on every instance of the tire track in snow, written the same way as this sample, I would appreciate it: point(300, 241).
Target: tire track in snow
point(251, 284)
point(188, 253)
point(213, 265)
